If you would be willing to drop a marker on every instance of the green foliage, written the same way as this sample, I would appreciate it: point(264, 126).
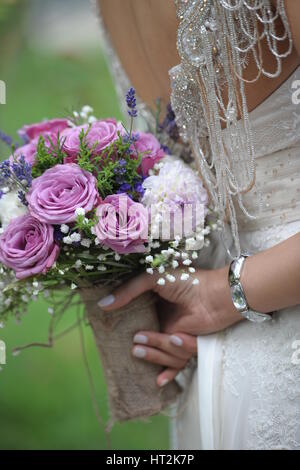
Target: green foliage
point(85, 224)
point(47, 157)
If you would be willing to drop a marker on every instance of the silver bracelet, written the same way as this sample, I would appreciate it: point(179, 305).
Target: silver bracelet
point(238, 295)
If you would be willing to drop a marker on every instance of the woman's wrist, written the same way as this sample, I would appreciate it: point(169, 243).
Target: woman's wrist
point(220, 303)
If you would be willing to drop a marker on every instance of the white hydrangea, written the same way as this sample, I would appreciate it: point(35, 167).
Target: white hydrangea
point(10, 208)
point(175, 186)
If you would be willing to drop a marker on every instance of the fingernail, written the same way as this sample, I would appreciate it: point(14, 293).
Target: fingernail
point(140, 339)
point(163, 382)
point(106, 301)
point(139, 352)
point(176, 340)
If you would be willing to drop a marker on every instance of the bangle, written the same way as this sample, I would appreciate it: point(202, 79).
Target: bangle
point(238, 295)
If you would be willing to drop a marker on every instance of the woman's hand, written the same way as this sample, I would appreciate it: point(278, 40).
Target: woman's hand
point(186, 311)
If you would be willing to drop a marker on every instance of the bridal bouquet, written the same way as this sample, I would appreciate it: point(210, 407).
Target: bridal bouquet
point(85, 204)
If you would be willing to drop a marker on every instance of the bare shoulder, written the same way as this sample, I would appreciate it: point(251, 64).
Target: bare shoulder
point(293, 12)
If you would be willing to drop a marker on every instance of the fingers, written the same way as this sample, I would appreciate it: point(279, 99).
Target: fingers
point(157, 356)
point(179, 345)
point(172, 352)
point(127, 292)
point(167, 376)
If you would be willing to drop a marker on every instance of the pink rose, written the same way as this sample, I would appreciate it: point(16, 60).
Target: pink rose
point(102, 133)
point(122, 224)
point(54, 196)
point(28, 151)
point(147, 142)
point(54, 126)
point(28, 247)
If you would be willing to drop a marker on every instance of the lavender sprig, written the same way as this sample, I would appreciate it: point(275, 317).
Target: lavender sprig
point(16, 174)
point(8, 140)
point(131, 102)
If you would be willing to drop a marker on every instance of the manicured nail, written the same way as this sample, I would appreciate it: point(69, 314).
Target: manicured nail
point(176, 340)
point(140, 339)
point(163, 382)
point(139, 352)
point(106, 301)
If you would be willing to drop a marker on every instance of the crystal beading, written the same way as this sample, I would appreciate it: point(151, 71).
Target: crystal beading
point(216, 39)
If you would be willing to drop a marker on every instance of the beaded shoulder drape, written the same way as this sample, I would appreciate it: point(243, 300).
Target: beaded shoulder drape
point(216, 39)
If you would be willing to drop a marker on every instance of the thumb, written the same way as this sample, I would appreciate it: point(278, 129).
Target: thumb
point(128, 291)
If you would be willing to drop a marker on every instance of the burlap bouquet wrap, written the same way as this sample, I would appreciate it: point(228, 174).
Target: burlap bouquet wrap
point(131, 383)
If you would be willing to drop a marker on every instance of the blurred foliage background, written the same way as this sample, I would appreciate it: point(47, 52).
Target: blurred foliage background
point(52, 62)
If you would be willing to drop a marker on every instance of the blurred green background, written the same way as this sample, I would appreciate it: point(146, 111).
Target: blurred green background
point(51, 62)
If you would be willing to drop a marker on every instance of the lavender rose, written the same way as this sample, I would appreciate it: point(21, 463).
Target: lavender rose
point(147, 142)
point(102, 133)
point(54, 196)
point(28, 151)
point(122, 224)
point(33, 131)
point(27, 246)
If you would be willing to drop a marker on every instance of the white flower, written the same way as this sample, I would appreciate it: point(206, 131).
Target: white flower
point(194, 255)
point(86, 242)
point(78, 264)
point(64, 228)
point(187, 262)
point(89, 267)
point(10, 207)
point(161, 281)
point(92, 119)
point(87, 109)
point(101, 268)
point(149, 259)
point(195, 282)
point(117, 257)
point(155, 244)
point(171, 278)
point(73, 286)
point(67, 240)
point(175, 264)
point(190, 243)
point(149, 270)
point(184, 276)
point(75, 237)
point(50, 310)
point(79, 211)
point(192, 270)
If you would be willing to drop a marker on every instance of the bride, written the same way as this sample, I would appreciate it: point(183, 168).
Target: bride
point(233, 66)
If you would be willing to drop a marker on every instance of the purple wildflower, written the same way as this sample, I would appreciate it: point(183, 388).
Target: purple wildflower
point(169, 124)
point(8, 140)
point(131, 102)
point(22, 171)
point(22, 197)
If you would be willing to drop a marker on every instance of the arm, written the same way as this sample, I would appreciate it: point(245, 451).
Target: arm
point(271, 279)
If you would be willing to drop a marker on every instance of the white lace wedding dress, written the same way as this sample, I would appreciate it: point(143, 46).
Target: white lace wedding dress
point(245, 391)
